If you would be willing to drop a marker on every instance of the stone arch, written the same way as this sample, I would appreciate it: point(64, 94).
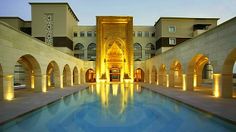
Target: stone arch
point(91, 51)
point(137, 51)
point(75, 76)
point(33, 75)
point(162, 75)
point(66, 76)
point(1, 82)
point(53, 75)
point(154, 75)
point(176, 72)
point(90, 75)
point(139, 75)
point(79, 50)
point(227, 76)
point(194, 72)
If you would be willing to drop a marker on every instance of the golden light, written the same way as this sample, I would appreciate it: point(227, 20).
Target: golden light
point(49, 80)
point(216, 78)
point(184, 82)
point(61, 81)
point(167, 80)
point(114, 89)
point(44, 78)
point(32, 81)
point(9, 95)
point(194, 80)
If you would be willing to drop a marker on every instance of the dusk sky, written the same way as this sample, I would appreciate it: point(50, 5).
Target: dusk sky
point(145, 12)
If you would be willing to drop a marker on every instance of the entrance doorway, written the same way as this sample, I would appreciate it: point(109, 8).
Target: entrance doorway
point(114, 74)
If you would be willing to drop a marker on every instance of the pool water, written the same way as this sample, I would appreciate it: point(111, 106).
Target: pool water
point(117, 108)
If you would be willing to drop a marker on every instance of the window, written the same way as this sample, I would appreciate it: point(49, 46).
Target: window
point(172, 41)
point(146, 34)
point(172, 29)
point(82, 34)
point(75, 34)
point(89, 34)
point(140, 34)
point(153, 34)
point(137, 51)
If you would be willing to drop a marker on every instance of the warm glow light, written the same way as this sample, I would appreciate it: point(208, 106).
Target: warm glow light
point(157, 82)
point(44, 78)
point(49, 80)
point(167, 80)
point(216, 78)
point(32, 81)
point(184, 82)
point(194, 80)
point(61, 81)
point(114, 89)
point(9, 96)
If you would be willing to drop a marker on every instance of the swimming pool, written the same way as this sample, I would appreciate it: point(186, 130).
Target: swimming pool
point(117, 108)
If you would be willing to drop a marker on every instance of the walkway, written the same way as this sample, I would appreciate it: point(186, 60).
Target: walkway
point(221, 107)
point(31, 101)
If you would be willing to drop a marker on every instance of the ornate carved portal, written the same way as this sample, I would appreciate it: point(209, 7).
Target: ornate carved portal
point(114, 62)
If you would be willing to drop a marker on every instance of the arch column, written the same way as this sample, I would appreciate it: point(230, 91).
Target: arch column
point(190, 81)
point(223, 86)
point(8, 86)
point(40, 83)
point(171, 79)
point(86, 54)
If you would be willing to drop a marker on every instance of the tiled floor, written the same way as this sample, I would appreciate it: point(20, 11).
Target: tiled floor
point(224, 108)
point(27, 101)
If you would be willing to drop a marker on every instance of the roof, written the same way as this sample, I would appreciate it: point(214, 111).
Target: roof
point(185, 18)
point(54, 3)
point(11, 17)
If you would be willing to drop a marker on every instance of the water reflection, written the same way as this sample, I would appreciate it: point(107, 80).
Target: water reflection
point(114, 96)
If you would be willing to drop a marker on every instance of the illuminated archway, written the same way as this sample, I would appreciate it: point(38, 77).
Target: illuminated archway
point(163, 76)
point(227, 75)
point(90, 75)
point(66, 76)
point(27, 74)
point(139, 75)
point(53, 75)
point(194, 74)
point(1, 82)
point(176, 78)
point(154, 75)
point(75, 76)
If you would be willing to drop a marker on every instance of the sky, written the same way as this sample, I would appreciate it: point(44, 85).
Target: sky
point(145, 12)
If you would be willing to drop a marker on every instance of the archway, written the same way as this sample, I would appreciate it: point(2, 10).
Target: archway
point(66, 76)
point(53, 75)
point(227, 75)
point(139, 75)
point(75, 76)
point(1, 82)
point(27, 75)
point(154, 75)
point(176, 77)
point(163, 76)
point(195, 79)
point(90, 75)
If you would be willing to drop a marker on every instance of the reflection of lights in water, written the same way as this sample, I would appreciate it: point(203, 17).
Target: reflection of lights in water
point(123, 91)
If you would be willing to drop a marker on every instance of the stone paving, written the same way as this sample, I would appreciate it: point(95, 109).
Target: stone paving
point(27, 101)
point(220, 107)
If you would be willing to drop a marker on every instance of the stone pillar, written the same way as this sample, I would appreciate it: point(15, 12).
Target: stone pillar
point(57, 81)
point(8, 87)
point(189, 81)
point(172, 79)
point(225, 84)
point(61, 81)
point(160, 79)
point(40, 83)
point(86, 54)
point(143, 53)
point(199, 79)
point(167, 80)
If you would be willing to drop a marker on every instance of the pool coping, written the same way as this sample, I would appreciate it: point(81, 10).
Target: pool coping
point(202, 109)
point(34, 108)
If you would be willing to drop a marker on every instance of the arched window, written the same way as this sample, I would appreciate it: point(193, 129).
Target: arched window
point(137, 51)
point(79, 51)
point(92, 51)
point(149, 50)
